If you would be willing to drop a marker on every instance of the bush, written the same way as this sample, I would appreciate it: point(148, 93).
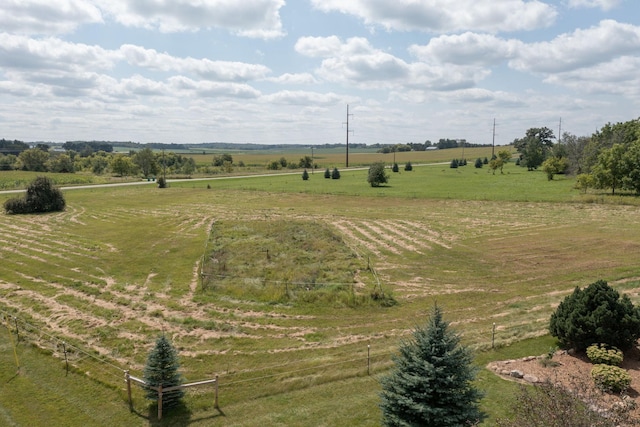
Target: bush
point(305, 175)
point(327, 173)
point(408, 167)
point(41, 197)
point(454, 164)
point(596, 314)
point(395, 168)
point(610, 379)
point(335, 174)
point(377, 175)
point(478, 163)
point(602, 354)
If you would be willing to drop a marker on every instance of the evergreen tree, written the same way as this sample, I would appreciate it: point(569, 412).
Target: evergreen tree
point(162, 369)
point(478, 163)
point(327, 173)
point(408, 166)
point(596, 314)
point(335, 174)
point(431, 382)
point(395, 168)
point(454, 164)
point(305, 175)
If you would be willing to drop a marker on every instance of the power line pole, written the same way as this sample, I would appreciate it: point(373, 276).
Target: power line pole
point(347, 161)
point(560, 130)
point(493, 141)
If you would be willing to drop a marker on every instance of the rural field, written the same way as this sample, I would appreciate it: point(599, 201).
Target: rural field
point(295, 293)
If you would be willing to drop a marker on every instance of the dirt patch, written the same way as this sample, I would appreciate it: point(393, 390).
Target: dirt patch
point(571, 369)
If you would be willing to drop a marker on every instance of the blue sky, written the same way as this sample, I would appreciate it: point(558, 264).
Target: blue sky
point(276, 71)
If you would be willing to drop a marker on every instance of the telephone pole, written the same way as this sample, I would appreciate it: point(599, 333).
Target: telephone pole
point(560, 130)
point(493, 141)
point(347, 122)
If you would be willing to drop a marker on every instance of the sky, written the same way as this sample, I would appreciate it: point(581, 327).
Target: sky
point(296, 71)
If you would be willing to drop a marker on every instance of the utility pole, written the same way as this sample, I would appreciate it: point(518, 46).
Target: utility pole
point(560, 130)
point(493, 142)
point(312, 165)
point(347, 161)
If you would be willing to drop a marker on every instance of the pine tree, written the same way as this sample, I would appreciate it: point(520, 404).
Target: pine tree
point(431, 382)
point(162, 369)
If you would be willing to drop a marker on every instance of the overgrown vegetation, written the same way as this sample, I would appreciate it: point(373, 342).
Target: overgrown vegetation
point(298, 262)
point(554, 405)
point(41, 197)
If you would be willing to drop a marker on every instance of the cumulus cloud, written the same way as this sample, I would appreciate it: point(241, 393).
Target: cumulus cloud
point(47, 17)
point(294, 78)
point(205, 68)
point(467, 49)
point(602, 4)
point(356, 62)
point(580, 49)
point(23, 53)
point(302, 98)
point(617, 76)
point(250, 18)
point(207, 89)
point(446, 16)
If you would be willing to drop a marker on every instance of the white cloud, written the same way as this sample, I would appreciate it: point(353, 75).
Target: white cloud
point(446, 15)
point(618, 76)
point(602, 4)
point(207, 89)
point(24, 53)
point(46, 16)
point(580, 49)
point(250, 18)
point(356, 62)
point(302, 98)
point(205, 68)
point(467, 49)
point(294, 78)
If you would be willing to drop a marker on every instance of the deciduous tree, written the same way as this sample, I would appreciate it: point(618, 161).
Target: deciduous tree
point(377, 175)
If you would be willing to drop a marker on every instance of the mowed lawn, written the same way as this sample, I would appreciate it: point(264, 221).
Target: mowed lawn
point(121, 266)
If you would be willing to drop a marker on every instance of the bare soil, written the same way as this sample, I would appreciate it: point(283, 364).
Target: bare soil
point(570, 369)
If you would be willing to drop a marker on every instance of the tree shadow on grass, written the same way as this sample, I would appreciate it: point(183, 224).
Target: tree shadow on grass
point(175, 416)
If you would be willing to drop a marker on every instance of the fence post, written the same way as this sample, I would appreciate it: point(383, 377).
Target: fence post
point(493, 336)
point(215, 398)
point(66, 361)
point(15, 321)
point(368, 359)
point(127, 378)
point(160, 402)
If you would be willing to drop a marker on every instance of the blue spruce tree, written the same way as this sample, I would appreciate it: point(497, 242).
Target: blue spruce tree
point(162, 369)
point(431, 382)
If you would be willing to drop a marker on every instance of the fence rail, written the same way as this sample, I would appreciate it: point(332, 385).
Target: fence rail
point(22, 331)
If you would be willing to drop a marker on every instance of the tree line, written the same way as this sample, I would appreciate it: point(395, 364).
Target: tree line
point(608, 159)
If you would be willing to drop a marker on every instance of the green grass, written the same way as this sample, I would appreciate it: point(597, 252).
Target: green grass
point(434, 181)
point(120, 266)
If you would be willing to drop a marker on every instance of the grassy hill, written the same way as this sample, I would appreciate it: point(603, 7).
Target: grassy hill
point(294, 337)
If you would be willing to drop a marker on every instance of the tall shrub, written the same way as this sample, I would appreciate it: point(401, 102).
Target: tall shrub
point(41, 196)
point(596, 314)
